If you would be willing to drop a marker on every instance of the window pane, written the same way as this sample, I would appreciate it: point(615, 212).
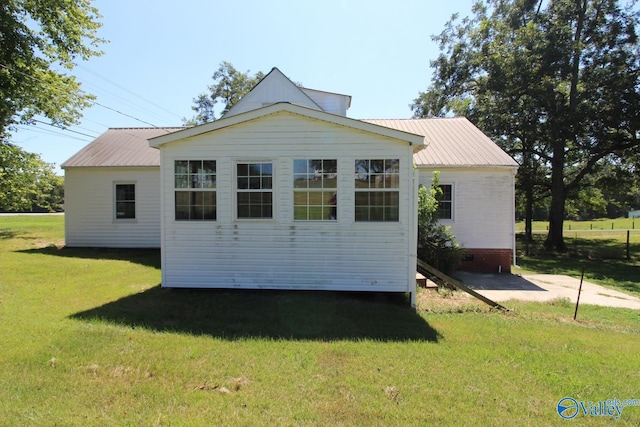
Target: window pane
point(243, 183)
point(181, 166)
point(195, 205)
point(392, 214)
point(195, 166)
point(125, 201)
point(125, 210)
point(377, 206)
point(209, 166)
point(182, 212)
point(300, 167)
point(209, 181)
point(254, 183)
point(243, 211)
point(376, 166)
point(299, 181)
point(300, 198)
point(311, 177)
point(209, 198)
point(266, 168)
point(362, 213)
point(209, 212)
point(300, 213)
point(182, 198)
point(125, 192)
point(182, 181)
point(243, 169)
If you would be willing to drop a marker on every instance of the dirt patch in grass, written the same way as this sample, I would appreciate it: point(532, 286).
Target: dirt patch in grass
point(445, 300)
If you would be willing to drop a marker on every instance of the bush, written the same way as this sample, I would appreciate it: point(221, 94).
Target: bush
point(436, 244)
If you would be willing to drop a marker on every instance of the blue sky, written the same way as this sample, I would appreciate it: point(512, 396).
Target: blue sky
point(161, 55)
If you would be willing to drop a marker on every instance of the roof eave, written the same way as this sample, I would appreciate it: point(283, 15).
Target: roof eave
point(412, 139)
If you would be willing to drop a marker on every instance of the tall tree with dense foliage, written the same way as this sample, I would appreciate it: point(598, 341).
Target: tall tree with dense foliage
point(27, 182)
point(229, 86)
point(555, 82)
point(40, 42)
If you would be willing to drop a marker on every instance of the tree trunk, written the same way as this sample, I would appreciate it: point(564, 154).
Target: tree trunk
point(555, 239)
point(528, 214)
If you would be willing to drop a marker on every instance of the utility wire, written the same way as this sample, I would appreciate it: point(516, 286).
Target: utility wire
point(63, 128)
point(128, 91)
point(89, 100)
point(50, 132)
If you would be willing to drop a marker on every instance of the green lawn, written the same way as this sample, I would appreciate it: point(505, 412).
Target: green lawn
point(89, 338)
point(609, 257)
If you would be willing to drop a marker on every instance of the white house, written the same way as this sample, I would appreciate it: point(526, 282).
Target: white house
point(286, 192)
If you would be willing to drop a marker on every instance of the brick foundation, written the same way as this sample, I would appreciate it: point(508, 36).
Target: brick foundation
point(487, 260)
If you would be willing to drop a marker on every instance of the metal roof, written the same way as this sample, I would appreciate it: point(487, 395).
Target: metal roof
point(451, 142)
point(120, 147)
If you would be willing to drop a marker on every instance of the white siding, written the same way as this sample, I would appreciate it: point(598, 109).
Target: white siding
point(483, 205)
point(330, 102)
point(90, 209)
point(283, 253)
point(275, 87)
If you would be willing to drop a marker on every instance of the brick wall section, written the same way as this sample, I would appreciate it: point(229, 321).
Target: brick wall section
point(487, 260)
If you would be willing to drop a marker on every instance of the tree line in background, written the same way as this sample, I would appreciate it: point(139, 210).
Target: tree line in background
point(556, 83)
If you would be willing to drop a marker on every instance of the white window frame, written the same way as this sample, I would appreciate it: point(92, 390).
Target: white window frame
point(115, 201)
point(380, 188)
point(190, 189)
point(330, 205)
point(237, 190)
point(451, 201)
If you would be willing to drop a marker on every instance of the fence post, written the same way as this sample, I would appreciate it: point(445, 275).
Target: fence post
point(628, 254)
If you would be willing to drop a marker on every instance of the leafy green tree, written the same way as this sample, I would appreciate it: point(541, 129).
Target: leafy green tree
point(555, 82)
point(40, 40)
point(436, 244)
point(229, 86)
point(27, 181)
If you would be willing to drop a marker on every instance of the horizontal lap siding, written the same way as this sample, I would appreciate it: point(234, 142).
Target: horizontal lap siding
point(89, 208)
point(483, 205)
point(282, 253)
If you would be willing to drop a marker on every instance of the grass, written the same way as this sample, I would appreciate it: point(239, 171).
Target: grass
point(595, 224)
point(602, 253)
point(89, 338)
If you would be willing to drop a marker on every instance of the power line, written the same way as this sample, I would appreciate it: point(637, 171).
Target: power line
point(89, 100)
point(50, 132)
point(63, 128)
point(128, 91)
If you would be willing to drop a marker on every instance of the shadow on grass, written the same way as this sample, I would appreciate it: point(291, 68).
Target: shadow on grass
point(240, 314)
point(147, 257)
point(6, 233)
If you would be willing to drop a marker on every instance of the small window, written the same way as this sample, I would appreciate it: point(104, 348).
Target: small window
point(315, 185)
point(195, 190)
point(125, 201)
point(377, 184)
point(254, 190)
point(445, 202)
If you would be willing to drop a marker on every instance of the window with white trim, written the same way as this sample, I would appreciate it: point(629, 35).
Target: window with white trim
point(125, 201)
point(315, 184)
point(445, 202)
point(377, 190)
point(195, 190)
point(254, 190)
